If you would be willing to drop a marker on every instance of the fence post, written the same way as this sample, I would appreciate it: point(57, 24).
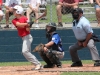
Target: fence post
point(50, 10)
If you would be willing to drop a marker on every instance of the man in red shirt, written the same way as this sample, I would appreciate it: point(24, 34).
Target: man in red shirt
point(1, 13)
point(23, 28)
point(64, 7)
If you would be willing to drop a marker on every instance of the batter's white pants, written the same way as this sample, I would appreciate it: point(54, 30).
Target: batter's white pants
point(26, 50)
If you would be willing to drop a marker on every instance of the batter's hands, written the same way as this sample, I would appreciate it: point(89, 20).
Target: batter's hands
point(30, 24)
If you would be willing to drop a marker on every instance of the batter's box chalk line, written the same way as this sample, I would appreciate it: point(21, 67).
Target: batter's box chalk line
point(68, 70)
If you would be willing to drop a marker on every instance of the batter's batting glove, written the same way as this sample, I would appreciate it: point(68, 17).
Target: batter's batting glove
point(31, 23)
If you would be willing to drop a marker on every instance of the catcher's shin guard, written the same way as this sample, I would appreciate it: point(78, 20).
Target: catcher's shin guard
point(45, 58)
point(53, 58)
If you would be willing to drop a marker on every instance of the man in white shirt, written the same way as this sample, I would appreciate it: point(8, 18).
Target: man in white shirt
point(9, 4)
point(33, 7)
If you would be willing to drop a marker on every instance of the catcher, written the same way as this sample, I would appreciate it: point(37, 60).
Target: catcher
point(52, 51)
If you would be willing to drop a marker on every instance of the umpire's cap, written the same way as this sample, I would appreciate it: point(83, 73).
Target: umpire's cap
point(77, 10)
point(52, 24)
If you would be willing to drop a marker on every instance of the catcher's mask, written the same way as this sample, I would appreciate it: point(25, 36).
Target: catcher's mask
point(51, 27)
point(76, 12)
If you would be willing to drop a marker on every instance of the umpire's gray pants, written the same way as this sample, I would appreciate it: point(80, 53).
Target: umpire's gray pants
point(93, 50)
point(26, 50)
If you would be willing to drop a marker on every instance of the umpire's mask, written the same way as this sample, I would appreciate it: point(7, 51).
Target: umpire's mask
point(51, 27)
point(76, 12)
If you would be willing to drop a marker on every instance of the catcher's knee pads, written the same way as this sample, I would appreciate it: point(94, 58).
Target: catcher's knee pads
point(45, 58)
point(53, 58)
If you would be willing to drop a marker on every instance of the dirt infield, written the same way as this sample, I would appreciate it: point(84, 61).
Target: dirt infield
point(26, 70)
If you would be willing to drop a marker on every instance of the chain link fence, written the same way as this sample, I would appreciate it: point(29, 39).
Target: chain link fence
point(88, 9)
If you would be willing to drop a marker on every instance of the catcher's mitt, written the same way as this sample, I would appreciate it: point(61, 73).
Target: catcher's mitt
point(39, 48)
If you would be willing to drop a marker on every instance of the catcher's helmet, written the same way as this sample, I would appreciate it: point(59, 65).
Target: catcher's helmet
point(53, 25)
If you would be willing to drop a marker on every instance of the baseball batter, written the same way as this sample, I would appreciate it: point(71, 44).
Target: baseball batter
point(23, 28)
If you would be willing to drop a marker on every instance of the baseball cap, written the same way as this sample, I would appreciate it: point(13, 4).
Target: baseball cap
point(19, 9)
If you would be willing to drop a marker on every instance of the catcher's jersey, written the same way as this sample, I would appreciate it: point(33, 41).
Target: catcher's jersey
point(57, 42)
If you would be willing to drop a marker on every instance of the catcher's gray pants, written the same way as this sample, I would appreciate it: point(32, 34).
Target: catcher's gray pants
point(26, 49)
point(58, 54)
point(94, 53)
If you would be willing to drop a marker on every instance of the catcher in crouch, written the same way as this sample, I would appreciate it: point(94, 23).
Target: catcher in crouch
point(52, 51)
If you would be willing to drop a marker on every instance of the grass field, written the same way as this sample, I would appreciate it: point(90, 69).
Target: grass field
point(80, 73)
point(28, 63)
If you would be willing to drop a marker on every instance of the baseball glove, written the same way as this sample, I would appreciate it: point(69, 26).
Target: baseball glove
point(31, 23)
point(39, 48)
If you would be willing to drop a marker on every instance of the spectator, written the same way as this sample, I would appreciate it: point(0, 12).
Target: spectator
point(43, 5)
point(33, 8)
point(1, 12)
point(65, 7)
point(83, 33)
point(97, 8)
point(91, 1)
point(9, 4)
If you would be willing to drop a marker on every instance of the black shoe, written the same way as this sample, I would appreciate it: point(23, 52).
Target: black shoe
point(97, 63)
point(77, 64)
point(7, 26)
point(59, 66)
point(48, 66)
point(60, 24)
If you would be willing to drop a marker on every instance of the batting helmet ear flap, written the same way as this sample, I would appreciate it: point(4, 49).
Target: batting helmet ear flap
point(17, 11)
